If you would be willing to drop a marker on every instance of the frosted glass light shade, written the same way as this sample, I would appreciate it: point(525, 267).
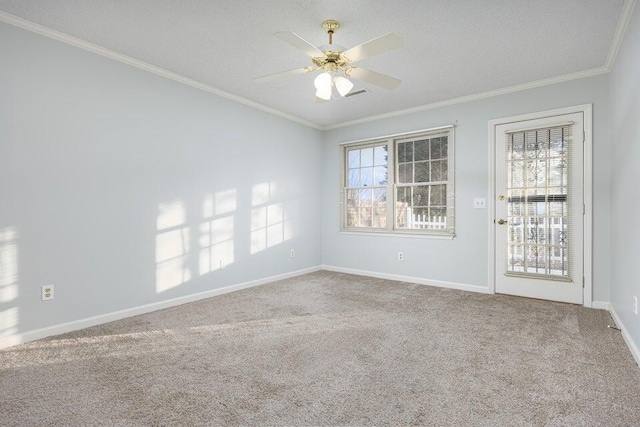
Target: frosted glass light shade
point(343, 85)
point(323, 85)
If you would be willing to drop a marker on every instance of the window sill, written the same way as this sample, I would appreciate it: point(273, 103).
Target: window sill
point(435, 236)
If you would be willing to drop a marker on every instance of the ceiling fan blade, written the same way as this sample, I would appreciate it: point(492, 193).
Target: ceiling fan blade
point(378, 45)
point(302, 70)
point(382, 80)
point(299, 43)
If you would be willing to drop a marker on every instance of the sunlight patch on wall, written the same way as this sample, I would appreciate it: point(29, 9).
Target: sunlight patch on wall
point(270, 223)
point(291, 212)
point(216, 232)
point(8, 281)
point(171, 214)
point(8, 322)
point(172, 246)
point(216, 242)
point(260, 193)
point(225, 202)
point(258, 230)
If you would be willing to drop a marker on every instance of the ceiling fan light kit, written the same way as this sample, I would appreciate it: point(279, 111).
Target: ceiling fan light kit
point(334, 59)
point(343, 85)
point(323, 84)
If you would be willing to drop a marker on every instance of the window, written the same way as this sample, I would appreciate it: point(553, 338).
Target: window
point(401, 184)
point(367, 186)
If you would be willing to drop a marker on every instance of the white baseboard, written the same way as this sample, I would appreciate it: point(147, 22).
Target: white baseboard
point(62, 328)
point(24, 337)
point(625, 335)
point(600, 305)
point(417, 280)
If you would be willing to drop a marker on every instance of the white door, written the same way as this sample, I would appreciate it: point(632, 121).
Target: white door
point(539, 208)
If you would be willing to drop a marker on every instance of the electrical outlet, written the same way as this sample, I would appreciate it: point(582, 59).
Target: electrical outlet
point(635, 305)
point(400, 256)
point(47, 292)
point(292, 253)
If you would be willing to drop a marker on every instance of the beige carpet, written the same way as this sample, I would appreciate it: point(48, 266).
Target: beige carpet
point(331, 349)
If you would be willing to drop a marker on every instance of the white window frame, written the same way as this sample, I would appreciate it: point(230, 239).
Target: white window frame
point(391, 142)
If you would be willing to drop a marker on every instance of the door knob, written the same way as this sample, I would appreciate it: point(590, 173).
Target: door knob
point(501, 221)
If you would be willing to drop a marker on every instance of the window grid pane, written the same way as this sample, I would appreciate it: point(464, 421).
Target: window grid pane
point(423, 165)
point(366, 191)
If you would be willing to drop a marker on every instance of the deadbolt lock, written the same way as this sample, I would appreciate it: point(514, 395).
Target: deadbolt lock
point(501, 197)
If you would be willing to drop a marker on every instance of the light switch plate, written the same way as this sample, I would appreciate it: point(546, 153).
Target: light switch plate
point(479, 203)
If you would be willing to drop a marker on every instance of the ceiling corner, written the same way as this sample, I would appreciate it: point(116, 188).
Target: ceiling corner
point(621, 28)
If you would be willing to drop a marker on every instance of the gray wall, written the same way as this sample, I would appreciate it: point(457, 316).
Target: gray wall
point(109, 176)
point(464, 259)
point(625, 177)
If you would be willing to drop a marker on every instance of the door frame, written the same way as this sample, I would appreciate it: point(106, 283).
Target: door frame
point(587, 110)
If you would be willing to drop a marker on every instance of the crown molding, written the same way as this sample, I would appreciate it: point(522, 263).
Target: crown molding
point(82, 44)
point(621, 29)
point(475, 97)
point(65, 38)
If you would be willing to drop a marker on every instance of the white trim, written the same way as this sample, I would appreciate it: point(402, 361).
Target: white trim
point(65, 38)
point(543, 114)
point(23, 337)
point(475, 97)
point(396, 135)
point(559, 125)
point(626, 335)
point(399, 233)
point(600, 305)
point(74, 41)
point(491, 192)
point(621, 29)
point(409, 279)
point(588, 203)
point(587, 111)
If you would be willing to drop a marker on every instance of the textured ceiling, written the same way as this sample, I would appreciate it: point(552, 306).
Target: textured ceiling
point(453, 48)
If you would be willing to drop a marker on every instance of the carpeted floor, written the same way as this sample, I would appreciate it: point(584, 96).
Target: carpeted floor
point(331, 349)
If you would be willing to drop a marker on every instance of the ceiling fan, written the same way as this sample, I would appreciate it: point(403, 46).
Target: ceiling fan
point(337, 62)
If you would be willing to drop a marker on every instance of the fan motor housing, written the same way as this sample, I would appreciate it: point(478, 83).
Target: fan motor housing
point(332, 60)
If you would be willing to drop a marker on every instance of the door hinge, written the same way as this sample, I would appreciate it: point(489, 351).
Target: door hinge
point(583, 281)
point(584, 136)
point(584, 209)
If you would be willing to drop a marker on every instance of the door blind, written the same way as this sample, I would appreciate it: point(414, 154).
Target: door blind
point(539, 236)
